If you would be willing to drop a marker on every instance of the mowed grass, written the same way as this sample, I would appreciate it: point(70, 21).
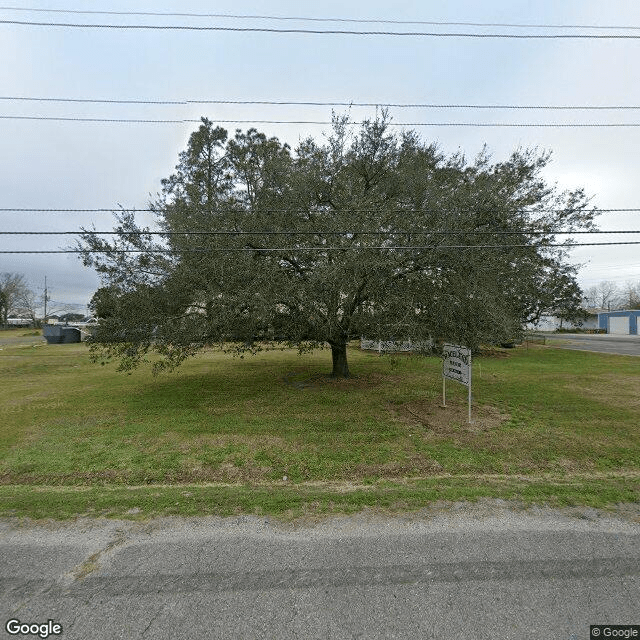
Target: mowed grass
point(273, 434)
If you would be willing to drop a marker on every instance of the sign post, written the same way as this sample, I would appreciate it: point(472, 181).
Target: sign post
point(456, 365)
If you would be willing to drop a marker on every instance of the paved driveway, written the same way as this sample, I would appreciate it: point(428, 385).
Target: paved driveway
point(621, 345)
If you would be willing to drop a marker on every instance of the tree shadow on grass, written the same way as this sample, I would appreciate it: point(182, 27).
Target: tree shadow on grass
point(309, 380)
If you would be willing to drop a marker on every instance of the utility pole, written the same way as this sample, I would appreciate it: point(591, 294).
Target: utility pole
point(46, 298)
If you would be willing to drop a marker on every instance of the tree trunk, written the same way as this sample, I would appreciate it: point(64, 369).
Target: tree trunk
point(339, 356)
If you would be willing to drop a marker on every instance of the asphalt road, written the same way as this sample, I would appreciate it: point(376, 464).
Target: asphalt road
point(602, 343)
point(478, 572)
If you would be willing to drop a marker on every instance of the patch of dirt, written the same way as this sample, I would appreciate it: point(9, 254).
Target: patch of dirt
point(225, 472)
point(452, 420)
point(412, 465)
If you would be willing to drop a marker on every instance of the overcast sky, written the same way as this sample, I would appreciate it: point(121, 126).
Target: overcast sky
point(53, 164)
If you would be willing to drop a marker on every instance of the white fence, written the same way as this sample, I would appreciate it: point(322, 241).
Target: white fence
point(394, 346)
point(19, 322)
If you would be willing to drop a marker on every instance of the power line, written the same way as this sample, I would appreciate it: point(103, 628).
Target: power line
point(314, 233)
point(395, 105)
point(316, 19)
point(112, 210)
point(548, 125)
point(278, 210)
point(156, 27)
point(315, 248)
point(121, 120)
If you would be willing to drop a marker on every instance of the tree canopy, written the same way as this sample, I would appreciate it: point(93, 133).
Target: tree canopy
point(367, 232)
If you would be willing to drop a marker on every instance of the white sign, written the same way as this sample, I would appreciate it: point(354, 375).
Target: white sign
point(457, 363)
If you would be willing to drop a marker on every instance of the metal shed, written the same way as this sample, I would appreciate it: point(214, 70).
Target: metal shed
point(58, 334)
point(620, 322)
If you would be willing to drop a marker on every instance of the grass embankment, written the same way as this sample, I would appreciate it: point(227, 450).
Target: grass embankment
point(270, 434)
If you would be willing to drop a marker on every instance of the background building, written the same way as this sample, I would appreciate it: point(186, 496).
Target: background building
point(620, 322)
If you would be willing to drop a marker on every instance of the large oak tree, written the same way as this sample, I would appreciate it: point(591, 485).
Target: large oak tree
point(365, 233)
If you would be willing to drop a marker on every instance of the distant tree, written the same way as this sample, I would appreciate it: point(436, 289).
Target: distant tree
point(15, 295)
point(3, 307)
point(630, 295)
point(367, 234)
point(604, 295)
point(26, 304)
point(72, 317)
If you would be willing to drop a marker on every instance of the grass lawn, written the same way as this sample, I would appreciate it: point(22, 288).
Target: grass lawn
point(273, 434)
